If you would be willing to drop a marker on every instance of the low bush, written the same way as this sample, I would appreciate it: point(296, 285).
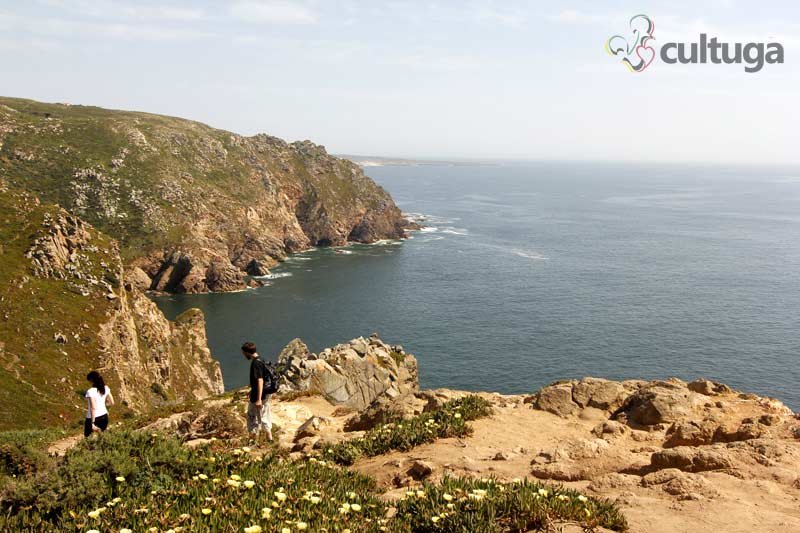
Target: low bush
point(147, 482)
point(457, 504)
point(450, 420)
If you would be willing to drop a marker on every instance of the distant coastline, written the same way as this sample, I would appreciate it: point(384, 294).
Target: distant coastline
point(379, 161)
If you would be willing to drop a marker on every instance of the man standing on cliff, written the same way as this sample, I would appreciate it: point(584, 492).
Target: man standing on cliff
point(261, 381)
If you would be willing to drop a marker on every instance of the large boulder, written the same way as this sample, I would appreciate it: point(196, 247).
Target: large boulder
point(599, 393)
point(660, 402)
point(353, 374)
point(690, 459)
point(556, 399)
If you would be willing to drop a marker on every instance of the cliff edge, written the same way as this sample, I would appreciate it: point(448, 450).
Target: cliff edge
point(195, 209)
point(67, 305)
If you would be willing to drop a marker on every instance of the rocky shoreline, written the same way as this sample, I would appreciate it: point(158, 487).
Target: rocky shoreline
point(675, 455)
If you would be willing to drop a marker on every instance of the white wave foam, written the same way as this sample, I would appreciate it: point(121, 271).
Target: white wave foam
point(455, 231)
point(275, 275)
point(528, 254)
point(429, 229)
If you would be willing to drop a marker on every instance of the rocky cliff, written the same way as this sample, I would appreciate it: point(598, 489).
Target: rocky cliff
point(67, 306)
point(195, 209)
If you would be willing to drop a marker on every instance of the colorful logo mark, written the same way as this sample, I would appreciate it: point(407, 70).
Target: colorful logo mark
point(634, 50)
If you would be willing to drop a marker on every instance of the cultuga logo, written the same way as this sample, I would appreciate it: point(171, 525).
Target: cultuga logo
point(636, 53)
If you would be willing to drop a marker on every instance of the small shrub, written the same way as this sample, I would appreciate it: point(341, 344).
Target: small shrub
point(458, 504)
point(159, 390)
point(450, 420)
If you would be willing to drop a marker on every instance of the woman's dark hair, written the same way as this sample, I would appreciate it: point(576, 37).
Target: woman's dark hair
point(249, 348)
point(97, 380)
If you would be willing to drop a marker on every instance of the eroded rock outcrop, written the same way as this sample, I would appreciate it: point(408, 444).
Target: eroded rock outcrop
point(69, 306)
point(355, 374)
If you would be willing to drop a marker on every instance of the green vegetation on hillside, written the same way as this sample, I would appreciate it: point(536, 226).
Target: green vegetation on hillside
point(42, 381)
point(450, 420)
point(148, 482)
point(147, 180)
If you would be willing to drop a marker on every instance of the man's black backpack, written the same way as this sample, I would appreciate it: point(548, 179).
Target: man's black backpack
point(270, 379)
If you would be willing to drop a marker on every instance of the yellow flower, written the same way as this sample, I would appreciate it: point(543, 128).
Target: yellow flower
point(233, 483)
point(203, 476)
point(435, 519)
point(95, 514)
point(346, 531)
point(314, 499)
point(355, 507)
point(588, 512)
point(447, 497)
point(120, 479)
point(420, 494)
point(236, 477)
point(450, 506)
point(125, 530)
point(457, 415)
point(117, 499)
point(302, 526)
point(184, 516)
point(543, 492)
point(286, 530)
point(246, 449)
point(205, 511)
point(92, 531)
point(582, 498)
point(265, 512)
point(281, 496)
point(253, 529)
point(249, 484)
point(516, 480)
point(352, 495)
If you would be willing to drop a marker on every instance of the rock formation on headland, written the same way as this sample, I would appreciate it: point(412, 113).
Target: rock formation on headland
point(675, 456)
point(195, 209)
point(67, 305)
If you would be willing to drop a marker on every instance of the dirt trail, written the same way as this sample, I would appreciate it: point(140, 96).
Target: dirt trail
point(60, 447)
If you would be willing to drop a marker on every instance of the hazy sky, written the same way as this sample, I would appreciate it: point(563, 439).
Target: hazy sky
point(475, 79)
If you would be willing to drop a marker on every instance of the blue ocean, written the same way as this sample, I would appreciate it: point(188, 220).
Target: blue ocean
point(527, 273)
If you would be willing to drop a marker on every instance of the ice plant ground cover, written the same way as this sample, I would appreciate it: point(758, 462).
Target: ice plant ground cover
point(141, 481)
point(450, 420)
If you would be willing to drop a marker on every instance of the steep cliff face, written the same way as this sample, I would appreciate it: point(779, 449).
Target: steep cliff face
point(66, 308)
point(194, 207)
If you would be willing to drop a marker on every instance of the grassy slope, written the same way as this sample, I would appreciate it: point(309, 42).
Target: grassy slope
point(32, 364)
point(64, 138)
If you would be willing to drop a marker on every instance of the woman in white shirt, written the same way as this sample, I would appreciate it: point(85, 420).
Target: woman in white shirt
point(97, 400)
